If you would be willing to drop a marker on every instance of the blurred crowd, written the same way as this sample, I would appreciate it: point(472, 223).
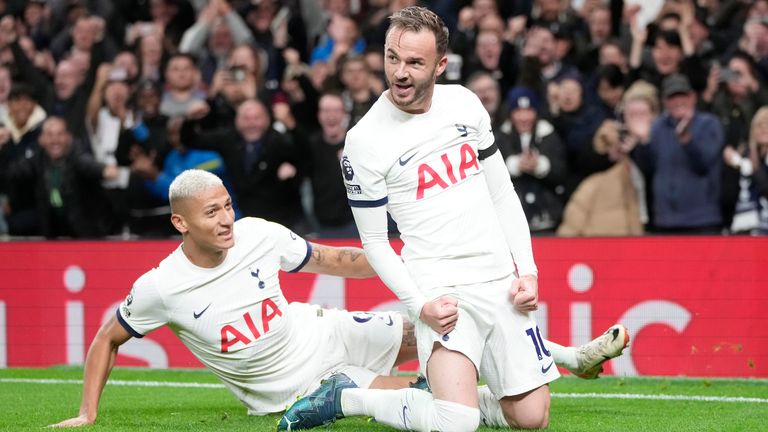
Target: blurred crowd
point(613, 117)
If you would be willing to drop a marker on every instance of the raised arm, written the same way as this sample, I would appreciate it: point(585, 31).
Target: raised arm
point(98, 365)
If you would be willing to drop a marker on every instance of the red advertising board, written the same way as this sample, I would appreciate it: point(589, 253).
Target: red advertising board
point(695, 306)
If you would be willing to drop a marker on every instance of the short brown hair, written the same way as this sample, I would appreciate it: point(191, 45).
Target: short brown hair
point(417, 18)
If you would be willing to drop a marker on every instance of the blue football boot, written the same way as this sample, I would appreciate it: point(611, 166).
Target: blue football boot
point(321, 407)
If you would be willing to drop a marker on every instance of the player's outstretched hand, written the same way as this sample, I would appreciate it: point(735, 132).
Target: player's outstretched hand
point(81, 420)
point(524, 294)
point(441, 314)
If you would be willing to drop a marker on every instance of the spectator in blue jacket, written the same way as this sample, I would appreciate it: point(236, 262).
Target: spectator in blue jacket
point(179, 159)
point(682, 157)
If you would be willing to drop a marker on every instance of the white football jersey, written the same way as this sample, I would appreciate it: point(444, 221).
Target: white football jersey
point(425, 168)
point(234, 317)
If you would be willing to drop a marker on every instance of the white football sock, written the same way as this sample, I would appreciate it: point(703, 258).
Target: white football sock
point(410, 409)
point(563, 356)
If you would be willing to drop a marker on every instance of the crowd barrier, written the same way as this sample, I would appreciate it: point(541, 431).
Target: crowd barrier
point(695, 306)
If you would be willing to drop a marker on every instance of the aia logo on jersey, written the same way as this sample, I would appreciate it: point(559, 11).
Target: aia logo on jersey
point(346, 168)
point(454, 168)
point(231, 334)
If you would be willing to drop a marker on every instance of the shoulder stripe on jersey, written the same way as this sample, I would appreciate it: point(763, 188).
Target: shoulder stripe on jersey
point(127, 326)
point(306, 258)
point(368, 204)
point(485, 153)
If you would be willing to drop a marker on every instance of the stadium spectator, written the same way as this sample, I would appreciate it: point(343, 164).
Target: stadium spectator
point(171, 18)
point(540, 61)
point(463, 39)
point(491, 55)
point(299, 90)
point(754, 40)
point(86, 31)
point(749, 196)
point(359, 91)
point(69, 200)
point(127, 61)
point(612, 202)
point(374, 24)
point(149, 126)
point(555, 14)
point(262, 162)
point(606, 90)
point(611, 53)
point(70, 39)
point(218, 30)
point(342, 39)
point(330, 208)
point(242, 78)
point(41, 59)
point(733, 95)
point(67, 95)
point(146, 215)
point(277, 26)
point(19, 137)
point(576, 122)
point(182, 79)
point(599, 22)
point(109, 112)
point(682, 159)
point(151, 55)
point(36, 17)
point(672, 52)
point(488, 90)
point(179, 159)
point(536, 159)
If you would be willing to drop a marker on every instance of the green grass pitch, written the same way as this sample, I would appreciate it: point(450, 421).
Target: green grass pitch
point(606, 404)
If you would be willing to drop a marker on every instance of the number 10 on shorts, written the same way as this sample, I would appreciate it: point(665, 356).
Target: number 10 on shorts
point(538, 343)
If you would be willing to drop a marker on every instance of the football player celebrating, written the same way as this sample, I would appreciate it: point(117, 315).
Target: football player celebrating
point(426, 153)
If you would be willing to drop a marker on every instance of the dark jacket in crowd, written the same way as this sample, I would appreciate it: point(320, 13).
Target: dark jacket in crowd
point(23, 220)
point(258, 190)
point(686, 179)
point(328, 191)
point(542, 197)
point(68, 194)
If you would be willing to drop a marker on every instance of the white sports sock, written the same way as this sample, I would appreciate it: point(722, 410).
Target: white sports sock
point(563, 356)
point(490, 409)
point(410, 409)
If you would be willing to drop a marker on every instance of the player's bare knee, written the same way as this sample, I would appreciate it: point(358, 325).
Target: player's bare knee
point(533, 419)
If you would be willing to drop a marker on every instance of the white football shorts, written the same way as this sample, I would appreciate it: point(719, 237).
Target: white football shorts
point(504, 344)
point(361, 345)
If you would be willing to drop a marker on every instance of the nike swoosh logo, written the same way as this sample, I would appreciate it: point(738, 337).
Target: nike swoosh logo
point(403, 162)
point(390, 321)
point(292, 235)
point(546, 369)
point(405, 419)
point(198, 315)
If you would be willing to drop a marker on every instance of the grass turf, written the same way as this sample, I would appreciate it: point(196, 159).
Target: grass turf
point(32, 406)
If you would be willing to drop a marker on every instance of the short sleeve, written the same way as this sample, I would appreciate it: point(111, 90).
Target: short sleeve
point(293, 250)
point(142, 310)
point(365, 184)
